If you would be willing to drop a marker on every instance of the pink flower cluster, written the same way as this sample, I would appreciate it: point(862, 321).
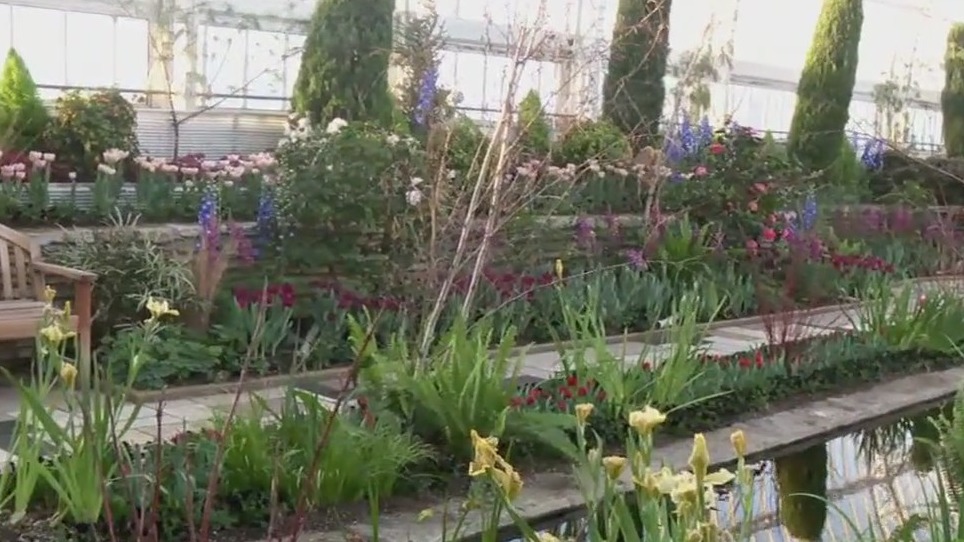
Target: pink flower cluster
point(17, 166)
point(230, 167)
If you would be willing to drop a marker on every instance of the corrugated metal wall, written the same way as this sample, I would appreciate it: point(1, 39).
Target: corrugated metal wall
point(215, 132)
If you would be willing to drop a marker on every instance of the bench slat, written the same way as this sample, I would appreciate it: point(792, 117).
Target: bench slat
point(5, 277)
point(23, 281)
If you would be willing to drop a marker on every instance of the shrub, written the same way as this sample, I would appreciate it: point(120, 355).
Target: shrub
point(130, 264)
point(535, 134)
point(344, 66)
point(827, 85)
point(85, 126)
point(592, 140)
point(465, 388)
point(936, 176)
point(23, 116)
point(952, 97)
point(634, 92)
point(348, 190)
point(465, 144)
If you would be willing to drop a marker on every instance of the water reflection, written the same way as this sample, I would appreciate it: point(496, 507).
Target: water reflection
point(802, 489)
point(878, 478)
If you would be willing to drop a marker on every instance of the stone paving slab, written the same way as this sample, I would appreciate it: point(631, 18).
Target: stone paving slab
point(741, 333)
point(782, 432)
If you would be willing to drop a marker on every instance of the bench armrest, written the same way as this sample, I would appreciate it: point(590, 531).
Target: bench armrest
point(64, 272)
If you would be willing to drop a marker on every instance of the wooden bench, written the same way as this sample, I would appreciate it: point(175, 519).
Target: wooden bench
point(23, 279)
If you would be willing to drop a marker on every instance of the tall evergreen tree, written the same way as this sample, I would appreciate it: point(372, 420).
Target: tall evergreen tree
point(952, 97)
point(344, 64)
point(23, 115)
point(827, 85)
point(633, 91)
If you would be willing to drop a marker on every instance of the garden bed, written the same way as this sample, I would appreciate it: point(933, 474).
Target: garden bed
point(651, 337)
point(761, 386)
point(255, 383)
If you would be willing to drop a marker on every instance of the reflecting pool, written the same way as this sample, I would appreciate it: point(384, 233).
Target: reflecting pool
point(876, 477)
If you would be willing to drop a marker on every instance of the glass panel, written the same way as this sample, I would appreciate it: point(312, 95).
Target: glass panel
point(223, 54)
point(293, 62)
point(469, 77)
point(182, 64)
point(6, 26)
point(265, 71)
point(44, 52)
point(764, 23)
point(541, 77)
point(90, 50)
point(688, 22)
point(883, 46)
point(495, 78)
point(131, 53)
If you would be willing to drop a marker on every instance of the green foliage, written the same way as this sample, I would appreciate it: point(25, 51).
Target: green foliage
point(592, 140)
point(130, 264)
point(267, 464)
point(462, 386)
point(634, 91)
point(847, 177)
point(951, 447)
point(952, 97)
point(535, 134)
point(465, 145)
point(762, 378)
point(418, 49)
point(346, 192)
point(344, 66)
point(802, 482)
point(174, 356)
point(86, 125)
point(735, 184)
point(381, 451)
point(23, 116)
point(926, 434)
point(826, 85)
point(906, 319)
point(934, 180)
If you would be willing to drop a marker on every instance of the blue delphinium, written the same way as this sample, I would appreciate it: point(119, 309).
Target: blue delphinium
point(705, 132)
point(673, 151)
point(207, 219)
point(808, 217)
point(428, 88)
point(687, 141)
point(872, 154)
point(265, 220)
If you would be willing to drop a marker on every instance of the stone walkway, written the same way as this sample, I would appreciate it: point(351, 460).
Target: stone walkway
point(193, 413)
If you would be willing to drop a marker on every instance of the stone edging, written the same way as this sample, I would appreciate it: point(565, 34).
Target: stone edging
point(163, 232)
point(194, 391)
point(547, 495)
point(648, 337)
